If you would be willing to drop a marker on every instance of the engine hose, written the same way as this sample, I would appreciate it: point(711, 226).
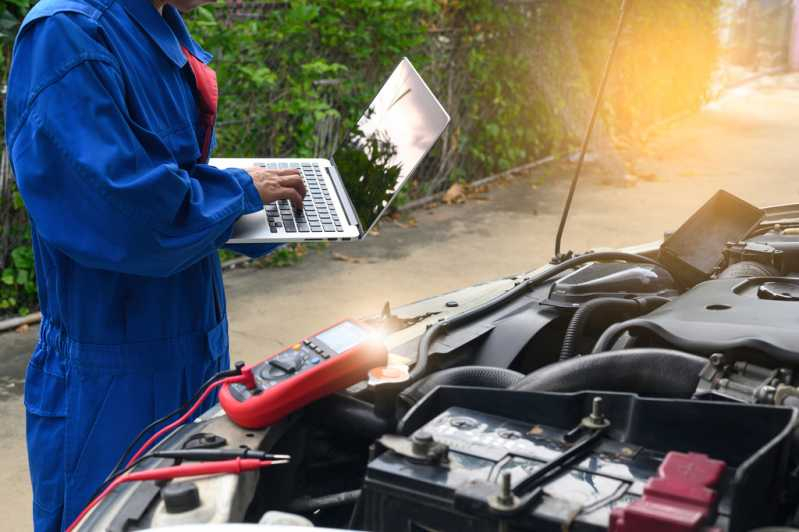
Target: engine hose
point(483, 376)
point(608, 338)
point(658, 372)
point(347, 415)
point(422, 354)
point(748, 268)
point(613, 306)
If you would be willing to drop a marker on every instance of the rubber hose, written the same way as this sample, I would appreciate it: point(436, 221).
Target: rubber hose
point(606, 341)
point(636, 307)
point(348, 415)
point(483, 376)
point(429, 337)
point(653, 372)
point(748, 268)
point(582, 316)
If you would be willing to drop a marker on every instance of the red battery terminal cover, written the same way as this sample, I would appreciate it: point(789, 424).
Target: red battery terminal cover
point(680, 499)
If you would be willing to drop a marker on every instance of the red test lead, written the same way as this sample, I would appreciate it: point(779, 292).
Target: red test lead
point(236, 466)
point(246, 379)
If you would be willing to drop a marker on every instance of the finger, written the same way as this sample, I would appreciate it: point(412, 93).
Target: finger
point(292, 195)
point(290, 171)
point(295, 182)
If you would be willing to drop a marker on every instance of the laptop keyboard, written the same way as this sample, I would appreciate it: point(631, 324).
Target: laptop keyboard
point(318, 210)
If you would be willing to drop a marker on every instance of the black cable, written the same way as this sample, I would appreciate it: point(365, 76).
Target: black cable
point(148, 428)
point(429, 337)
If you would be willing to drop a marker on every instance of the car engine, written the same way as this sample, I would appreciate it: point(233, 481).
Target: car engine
point(653, 390)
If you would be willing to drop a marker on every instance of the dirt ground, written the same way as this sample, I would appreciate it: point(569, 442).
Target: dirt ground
point(744, 143)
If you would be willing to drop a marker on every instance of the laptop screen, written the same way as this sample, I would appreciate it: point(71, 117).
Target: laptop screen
point(389, 141)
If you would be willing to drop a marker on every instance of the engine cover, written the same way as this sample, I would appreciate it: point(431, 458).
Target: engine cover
point(760, 314)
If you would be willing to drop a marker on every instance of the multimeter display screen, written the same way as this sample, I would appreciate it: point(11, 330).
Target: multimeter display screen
point(342, 337)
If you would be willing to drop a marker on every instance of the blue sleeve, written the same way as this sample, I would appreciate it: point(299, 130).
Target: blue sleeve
point(107, 192)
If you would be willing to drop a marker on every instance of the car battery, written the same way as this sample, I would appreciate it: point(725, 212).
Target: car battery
point(472, 459)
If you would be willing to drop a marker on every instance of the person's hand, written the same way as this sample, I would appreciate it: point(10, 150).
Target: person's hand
point(276, 185)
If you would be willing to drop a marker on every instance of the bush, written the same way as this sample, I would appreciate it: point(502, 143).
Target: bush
point(517, 78)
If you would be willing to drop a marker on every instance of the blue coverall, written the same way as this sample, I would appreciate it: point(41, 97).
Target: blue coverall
point(103, 132)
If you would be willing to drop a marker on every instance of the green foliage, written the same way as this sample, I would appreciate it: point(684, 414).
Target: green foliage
point(293, 80)
point(18, 281)
point(301, 70)
point(666, 58)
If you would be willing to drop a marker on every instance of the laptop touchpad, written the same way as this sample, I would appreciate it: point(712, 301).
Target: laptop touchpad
point(250, 225)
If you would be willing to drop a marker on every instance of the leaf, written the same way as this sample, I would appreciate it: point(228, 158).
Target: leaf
point(345, 258)
point(455, 194)
point(22, 257)
point(8, 277)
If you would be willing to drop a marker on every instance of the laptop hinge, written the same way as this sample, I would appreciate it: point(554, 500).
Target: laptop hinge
point(346, 201)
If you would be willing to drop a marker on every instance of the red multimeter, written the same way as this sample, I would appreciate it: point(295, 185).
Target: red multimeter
point(324, 363)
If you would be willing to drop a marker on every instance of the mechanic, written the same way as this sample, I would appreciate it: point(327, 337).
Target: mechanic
point(109, 124)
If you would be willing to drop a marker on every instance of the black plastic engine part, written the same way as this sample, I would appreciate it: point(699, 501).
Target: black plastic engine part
point(778, 247)
point(441, 328)
point(611, 309)
point(754, 252)
point(180, 497)
point(748, 268)
point(693, 251)
point(482, 376)
point(484, 434)
point(652, 372)
point(610, 279)
point(724, 315)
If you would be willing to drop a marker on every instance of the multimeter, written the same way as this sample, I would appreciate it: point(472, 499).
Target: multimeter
point(319, 365)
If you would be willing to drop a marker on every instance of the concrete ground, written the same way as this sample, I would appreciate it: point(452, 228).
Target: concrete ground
point(744, 143)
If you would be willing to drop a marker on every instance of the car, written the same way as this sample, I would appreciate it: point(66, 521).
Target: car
point(648, 388)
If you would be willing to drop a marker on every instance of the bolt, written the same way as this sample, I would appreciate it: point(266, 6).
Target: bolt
point(505, 492)
point(422, 442)
point(717, 359)
point(596, 408)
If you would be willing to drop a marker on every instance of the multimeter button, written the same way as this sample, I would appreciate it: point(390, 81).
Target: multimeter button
point(312, 345)
point(289, 366)
point(323, 354)
point(270, 372)
point(315, 360)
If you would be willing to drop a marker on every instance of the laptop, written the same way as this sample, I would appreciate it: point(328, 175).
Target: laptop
point(347, 195)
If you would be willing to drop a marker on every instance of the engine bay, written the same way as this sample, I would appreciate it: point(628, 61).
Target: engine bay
point(606, 391)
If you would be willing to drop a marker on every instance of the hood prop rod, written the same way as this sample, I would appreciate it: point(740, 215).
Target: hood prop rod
point(587, 138)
